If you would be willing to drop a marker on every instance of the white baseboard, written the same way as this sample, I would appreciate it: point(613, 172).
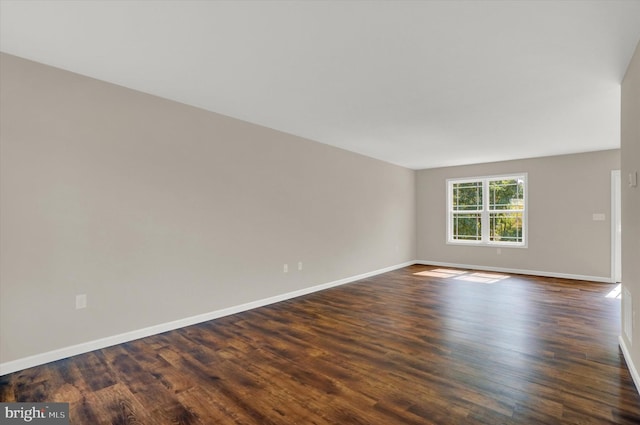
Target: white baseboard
point(632, 368)
point(85, 347)
point(517, 271)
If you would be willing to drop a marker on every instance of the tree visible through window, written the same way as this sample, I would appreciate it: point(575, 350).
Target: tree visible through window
point(487, 210)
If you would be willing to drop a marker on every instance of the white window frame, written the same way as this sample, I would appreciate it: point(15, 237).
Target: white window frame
point(485, 213)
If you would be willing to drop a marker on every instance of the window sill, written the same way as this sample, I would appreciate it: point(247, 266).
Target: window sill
point(487, 244)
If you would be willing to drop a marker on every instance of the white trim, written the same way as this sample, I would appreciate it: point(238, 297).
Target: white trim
point(627, 358)
point(485, 212)
point(518, 271)
point(616, 188)
point(85, 347)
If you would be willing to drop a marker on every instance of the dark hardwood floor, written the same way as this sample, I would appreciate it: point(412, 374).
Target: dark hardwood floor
point(415, 346)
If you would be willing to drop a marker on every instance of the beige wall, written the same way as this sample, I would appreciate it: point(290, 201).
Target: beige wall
point(630, 148)
point(564, 193)
point(159, 211)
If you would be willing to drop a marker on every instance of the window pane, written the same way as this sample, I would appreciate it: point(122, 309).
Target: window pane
point(505, 227)
point(467, 227)
point(467, 196)
point(506, 194)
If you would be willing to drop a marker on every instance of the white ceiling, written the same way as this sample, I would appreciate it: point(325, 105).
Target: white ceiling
point(416, 83)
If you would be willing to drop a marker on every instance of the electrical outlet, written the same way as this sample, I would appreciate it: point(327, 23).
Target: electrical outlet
point(299, 265)
point(81, 301)
point(285, 268)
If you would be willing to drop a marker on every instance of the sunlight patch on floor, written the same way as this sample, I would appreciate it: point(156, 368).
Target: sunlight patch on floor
point(616, 292)
point(483, 277)
point(440, 273)
point(480, 277)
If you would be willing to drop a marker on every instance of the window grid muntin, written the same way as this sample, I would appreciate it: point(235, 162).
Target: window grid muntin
point(518, 217)
point(464, 186)
point(476, 236)
point(519, 184)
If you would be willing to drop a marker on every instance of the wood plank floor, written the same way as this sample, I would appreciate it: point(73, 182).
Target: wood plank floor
point(420, 345)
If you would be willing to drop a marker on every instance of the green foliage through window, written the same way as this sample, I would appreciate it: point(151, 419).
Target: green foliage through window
point(487, 210)
point(468, 226)
point(467, 196)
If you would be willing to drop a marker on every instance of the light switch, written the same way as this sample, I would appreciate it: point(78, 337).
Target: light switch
point(81, 301)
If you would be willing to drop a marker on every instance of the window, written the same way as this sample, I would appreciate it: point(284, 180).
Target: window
point(487, 210)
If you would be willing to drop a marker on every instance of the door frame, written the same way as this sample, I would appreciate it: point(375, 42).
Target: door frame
point(616, 227)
